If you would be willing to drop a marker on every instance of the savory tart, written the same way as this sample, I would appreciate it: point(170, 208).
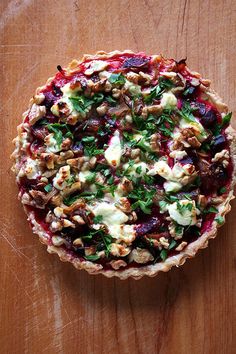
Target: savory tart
point(125, 163)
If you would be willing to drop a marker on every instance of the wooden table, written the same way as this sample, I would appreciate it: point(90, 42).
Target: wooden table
point(49, 307)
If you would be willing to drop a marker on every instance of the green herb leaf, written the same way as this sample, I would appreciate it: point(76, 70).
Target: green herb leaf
point(172, 244)
point(220, 220)
point(163, 254)
point(212, 209)
point(97, 219)
point(222, 190)
point(88, 139)
point(91, 177)
point(226, 119)
point(156, 93)
point(48, 188)
point(92, 257)
point(117, 79)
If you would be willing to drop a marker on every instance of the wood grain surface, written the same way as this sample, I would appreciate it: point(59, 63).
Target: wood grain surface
point(49, 307)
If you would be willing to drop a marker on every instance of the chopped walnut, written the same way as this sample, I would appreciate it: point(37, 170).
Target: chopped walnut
point(155, 142)
point(154, 109)
point(90, 250)
point(222, 157)
point(40, 198)
point(78, 219)
point(133, 77)
point(39, 98)
point(118, 250)
point(57, 241)
point(65, 145)
point(145, 78)
point(125, 185)
point(118, 264)
point(181, 246)
point(49, 159)
point(140, 255)
point(164, 242)
point(102, 109)
point(124, 205)
point(78, 242)
point(71, 189)
point(116, 93)
point(36, 112)
point(194, 142)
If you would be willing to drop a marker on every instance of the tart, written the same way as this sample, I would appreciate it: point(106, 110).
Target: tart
point(125, 163)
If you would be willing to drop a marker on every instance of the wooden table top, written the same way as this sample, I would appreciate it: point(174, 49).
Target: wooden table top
point(49, 307)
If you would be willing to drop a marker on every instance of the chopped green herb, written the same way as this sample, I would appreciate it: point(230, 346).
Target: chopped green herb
point(143, 198)
point(88, 139)
point(163, 254)
point(220, 220)
point(92, 257)
point(222, 190)
point(57, 128)
point(82, 103)
point(157, 91)
point(111, 100)
point(70, 180)
point(186, 112)
point(91, 177)
point(226, 119)
point(110, 180)
point(97, 219)
point(172, 244)
point(117, 79)
point(48, 188)
point(210, 210)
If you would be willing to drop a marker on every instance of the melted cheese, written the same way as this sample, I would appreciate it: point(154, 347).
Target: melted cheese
point(95, 66)
point(132, 169)
point(183, 215)
point(30, 169)
point(51, 144)
point(111, 215)
point(168, 100)
point(177, 177)
point(114, 152)
point(60, 181)
point(132, 88)
point(124, 233)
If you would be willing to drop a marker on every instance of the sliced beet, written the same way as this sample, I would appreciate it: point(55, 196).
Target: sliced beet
point(77, 148)
point(209, 119)
point(186, 160)
point(135, 62)
point(148, 226)
point(218, 143)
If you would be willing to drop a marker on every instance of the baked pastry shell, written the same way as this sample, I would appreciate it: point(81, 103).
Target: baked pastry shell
point(149, 270)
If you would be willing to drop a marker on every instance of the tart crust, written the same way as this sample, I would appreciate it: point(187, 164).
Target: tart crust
point(149, 270)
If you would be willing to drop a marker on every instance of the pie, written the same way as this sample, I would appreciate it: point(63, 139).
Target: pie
point(125, 163)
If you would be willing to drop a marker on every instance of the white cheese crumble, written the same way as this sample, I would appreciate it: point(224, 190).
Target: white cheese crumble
point(168, 100)
point(132, 170)
point(114, 152)
point(184, 212)
point(30, 169)
point(83, 175)
point(60, 181)
point(111, 215)
point(95, 66)
point(132, 88)
point(124, 233)
point(180, 174)
point(51, 144)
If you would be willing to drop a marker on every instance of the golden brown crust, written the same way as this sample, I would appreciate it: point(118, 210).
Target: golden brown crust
point(149, 270)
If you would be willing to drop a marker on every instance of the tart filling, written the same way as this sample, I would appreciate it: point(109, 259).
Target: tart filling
point(124, 160)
